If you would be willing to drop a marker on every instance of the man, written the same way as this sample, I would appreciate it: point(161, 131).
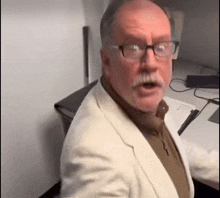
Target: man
point(122, 142)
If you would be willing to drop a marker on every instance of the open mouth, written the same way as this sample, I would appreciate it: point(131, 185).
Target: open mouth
point(149, 85)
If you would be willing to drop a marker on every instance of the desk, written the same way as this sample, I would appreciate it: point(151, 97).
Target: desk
point(206, 135)
point(182, 68)
point(201, 131)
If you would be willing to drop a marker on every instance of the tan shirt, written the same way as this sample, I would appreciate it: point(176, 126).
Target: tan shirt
point(166, 151)
point(156, 133)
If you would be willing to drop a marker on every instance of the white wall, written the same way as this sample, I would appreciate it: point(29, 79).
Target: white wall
point(200, 36)
point(200, 41)
point(42, 62)
point(94, 8)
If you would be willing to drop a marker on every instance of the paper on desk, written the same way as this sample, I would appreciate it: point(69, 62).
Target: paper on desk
point(179, 108)
point(215, 117)
point(203, 132)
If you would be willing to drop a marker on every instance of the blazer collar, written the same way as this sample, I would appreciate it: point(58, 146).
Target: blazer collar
point(132, 137)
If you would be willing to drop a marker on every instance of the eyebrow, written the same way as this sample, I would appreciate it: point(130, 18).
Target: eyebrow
point(162, 38)
point(155, 39)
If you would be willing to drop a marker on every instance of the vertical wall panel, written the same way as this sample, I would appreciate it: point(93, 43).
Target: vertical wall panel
point(42, 62)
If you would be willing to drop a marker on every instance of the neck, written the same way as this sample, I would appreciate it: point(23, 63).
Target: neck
point(140, 118)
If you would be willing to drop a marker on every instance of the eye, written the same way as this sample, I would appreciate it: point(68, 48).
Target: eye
point(132, 48)
point(161, 47)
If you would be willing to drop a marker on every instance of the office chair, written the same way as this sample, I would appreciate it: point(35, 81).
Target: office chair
point(67, 109)
point(68, 106)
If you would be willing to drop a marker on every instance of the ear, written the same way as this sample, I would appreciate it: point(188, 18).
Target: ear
point(105, 56)
point(175, 56)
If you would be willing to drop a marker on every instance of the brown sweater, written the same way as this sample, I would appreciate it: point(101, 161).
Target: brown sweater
point(156, 133)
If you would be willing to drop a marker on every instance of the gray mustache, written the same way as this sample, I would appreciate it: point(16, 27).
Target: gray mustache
point(147, 79)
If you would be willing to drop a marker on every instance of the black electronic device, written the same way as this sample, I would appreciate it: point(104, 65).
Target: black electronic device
point(202, 81)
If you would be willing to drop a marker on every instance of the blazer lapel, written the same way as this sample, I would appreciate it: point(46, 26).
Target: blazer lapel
point(130, 134)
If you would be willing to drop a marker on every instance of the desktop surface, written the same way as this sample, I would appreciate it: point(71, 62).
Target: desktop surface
point(201, 131)
point(182, 68)
point(215, 117)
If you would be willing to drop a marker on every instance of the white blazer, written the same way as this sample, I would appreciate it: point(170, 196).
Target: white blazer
point(105, 155)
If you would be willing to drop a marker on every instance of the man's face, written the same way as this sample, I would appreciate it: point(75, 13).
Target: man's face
point(139, 23)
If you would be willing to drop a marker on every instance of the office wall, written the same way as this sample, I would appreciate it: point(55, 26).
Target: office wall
point(94, 8)
point(42, 62)
point(200, 36)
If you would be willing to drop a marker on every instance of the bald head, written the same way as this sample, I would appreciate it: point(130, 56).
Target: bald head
point(145, 5)
point(117, 9)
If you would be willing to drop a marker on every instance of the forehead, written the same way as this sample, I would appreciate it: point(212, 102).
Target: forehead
point(142, 20)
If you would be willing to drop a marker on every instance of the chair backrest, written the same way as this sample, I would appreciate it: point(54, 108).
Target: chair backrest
point(68, 106)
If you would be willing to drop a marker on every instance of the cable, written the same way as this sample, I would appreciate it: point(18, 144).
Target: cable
point(199, 96)
point(212, 100)
point(209, 100)
point(202, 109)
point(178, 90)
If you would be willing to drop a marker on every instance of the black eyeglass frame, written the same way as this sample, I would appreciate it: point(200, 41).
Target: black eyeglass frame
point(177, 43)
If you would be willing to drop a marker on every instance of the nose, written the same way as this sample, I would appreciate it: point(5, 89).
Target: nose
point(148, 61)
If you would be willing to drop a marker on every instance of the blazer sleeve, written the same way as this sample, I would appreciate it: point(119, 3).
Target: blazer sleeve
point(87, 172)
point(204, 165)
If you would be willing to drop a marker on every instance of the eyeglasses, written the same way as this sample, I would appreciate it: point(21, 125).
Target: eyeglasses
point(163, 49)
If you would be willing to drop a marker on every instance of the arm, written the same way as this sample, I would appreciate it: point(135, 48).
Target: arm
point(204, 165)
point(87, 172)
